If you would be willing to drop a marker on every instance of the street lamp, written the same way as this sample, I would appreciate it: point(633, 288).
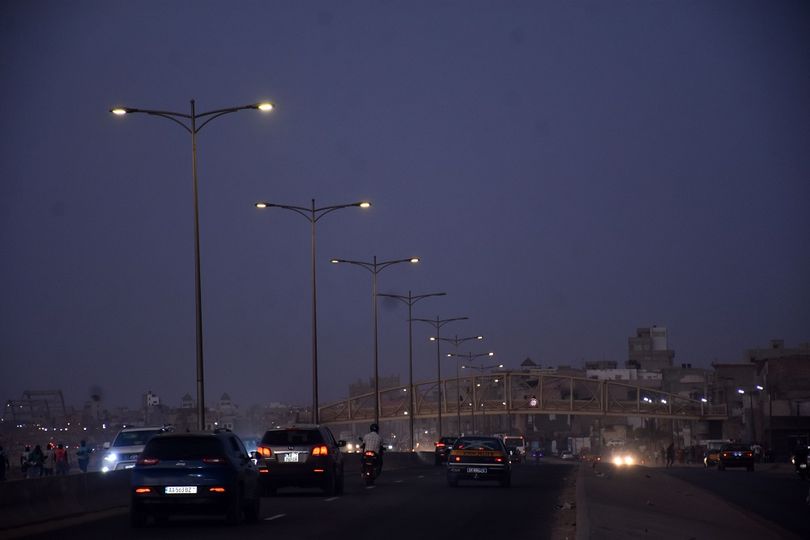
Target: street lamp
point(456, 341)
point(183, 120)
point(410, 300)
point(313, 215)
point(375, 268)
point(470, 358)
point(437, 324)
point(756, 390)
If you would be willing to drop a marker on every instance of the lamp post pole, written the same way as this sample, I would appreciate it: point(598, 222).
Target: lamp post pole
point(471, 357)
point(313, 215)
point(193, 129)
point(410, 300)
point(456, 341)
point(375, 268)
point(437, 325)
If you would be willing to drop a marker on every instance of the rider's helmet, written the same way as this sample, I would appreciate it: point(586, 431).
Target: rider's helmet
point(374, 427)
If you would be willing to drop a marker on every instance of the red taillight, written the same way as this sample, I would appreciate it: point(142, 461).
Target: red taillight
point(440, 445)
point(147, 461)
point(217, 489)
point(368, 453)
point(142, 490)
point(321, 450)
point(264, 471)
point(458, 458)
point(318, 470)
point(726, 454)
point(265, 452)
point(213, 460)
point(498, 460)
point(747, 454)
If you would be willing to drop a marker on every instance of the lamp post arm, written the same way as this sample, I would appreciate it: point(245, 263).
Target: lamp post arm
point(168, 115)
point(221, 112)
point(329, 209)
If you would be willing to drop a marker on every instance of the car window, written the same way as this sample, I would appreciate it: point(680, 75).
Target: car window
point(236, 447)
point(293, 437)
point(330, 438)
point(478, 444)
point(190, 448)
point(735, 447)
point(135, 438)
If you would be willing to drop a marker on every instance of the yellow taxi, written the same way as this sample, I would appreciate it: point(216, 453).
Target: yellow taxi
point(479, 458)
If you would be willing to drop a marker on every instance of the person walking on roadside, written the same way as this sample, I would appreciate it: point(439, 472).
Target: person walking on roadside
point(35, 460)
point(60, 457)
point(48, 462)
point(670, 455)
point(83, 456)
point(4, 464)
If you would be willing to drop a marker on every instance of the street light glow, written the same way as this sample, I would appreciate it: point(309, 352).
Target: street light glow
point(334, 261)
point(261, 205)
point(364, 204)
point(119, 111)
point(760, 387)
point(415, 260)
point(265, 106)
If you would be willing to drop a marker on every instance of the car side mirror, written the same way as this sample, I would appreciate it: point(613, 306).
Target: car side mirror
point(106, 446)
point(341, 443)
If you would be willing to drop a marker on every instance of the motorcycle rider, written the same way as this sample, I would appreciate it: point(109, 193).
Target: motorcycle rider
point(373, 442)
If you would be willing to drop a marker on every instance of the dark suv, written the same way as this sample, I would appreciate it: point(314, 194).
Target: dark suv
point(443, 446)
point(194, 473)
point(302, 456)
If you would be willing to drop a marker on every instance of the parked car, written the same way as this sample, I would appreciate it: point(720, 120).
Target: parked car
point(301, 456)
point(479, 458)
point(443, 446)
point(194, 473)
point(735, 455)
point(127, 446)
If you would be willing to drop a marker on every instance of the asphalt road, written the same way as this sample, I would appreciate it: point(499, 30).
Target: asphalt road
point(406, 504)
point(777, 496)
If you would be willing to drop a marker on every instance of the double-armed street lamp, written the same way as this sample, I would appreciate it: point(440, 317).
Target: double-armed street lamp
point(437, 324)
point(313, 215)
point(410, 300)
point(456, 341)
point(375, 267)
point(751, 391)
point(189, 122)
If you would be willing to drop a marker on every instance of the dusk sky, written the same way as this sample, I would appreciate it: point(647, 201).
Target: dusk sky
point(567, 171)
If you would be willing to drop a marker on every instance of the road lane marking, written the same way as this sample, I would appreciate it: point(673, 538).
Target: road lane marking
point(271, 518)
point(370, 487)
point(421, 476)
point(330, 499)
point(398, 481)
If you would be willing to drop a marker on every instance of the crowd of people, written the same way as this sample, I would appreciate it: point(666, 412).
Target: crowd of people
point(54, 459)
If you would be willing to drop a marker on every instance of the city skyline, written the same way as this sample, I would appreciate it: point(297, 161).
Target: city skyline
point(567, 173)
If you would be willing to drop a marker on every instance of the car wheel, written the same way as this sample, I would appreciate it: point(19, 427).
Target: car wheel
point(234, 513)
point(253, 509)
point(137, 517)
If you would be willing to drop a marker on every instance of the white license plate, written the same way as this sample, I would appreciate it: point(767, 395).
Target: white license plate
point(180, 490)
point(291, 457)
point(476, 470)
point(802, 465)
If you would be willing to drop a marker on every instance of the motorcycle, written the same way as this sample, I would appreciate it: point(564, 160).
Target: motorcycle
point(371, 467)
point(801, 462)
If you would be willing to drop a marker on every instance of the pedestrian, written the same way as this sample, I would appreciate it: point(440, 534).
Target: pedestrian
point(83, 456)
point(48, 462)
point(671, 454)
point(24, 460)
point(60, 457)
point(35, 460)
point(4, 464)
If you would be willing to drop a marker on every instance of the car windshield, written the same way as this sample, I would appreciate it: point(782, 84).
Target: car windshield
point(292, 437)
point(188, 448)
point(447, 440)
point(513, 441)
point(478, 443)
point(135, 438)
point(736, 447)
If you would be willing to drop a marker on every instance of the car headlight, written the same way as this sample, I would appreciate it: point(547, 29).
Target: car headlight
point(628, 460)
point(105, 469)
point(618, 460)
point(111, 457)
point(349, 446)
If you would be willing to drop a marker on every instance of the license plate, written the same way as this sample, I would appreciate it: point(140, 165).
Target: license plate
point(803, 465)
point(476, 470)
point(292, 457)
point(180, 490)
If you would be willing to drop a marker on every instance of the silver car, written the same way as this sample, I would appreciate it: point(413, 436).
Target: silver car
point(128, 444)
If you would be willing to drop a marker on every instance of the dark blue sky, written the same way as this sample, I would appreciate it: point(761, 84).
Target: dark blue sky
point(568, 171)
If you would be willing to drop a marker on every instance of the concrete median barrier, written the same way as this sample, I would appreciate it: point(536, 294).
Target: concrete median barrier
point(24, 502)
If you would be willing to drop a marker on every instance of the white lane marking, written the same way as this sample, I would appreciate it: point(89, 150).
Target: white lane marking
point(398, 481)
point(370, 487)
point(330, 499)
point(271, 518)
point(421, 476)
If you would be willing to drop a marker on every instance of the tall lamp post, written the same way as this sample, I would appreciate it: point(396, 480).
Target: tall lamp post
point(437, 324)
point(313, 215)
point(470, 358)
point(758, 388)
point(456, 341)
point(410, 300)
point(375, 267)
point(189, 123)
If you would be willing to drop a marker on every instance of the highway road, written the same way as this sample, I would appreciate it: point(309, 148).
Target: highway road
point(775, 495)
point(406, 504)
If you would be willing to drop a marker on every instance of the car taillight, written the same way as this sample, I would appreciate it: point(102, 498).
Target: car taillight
point(747, 454)
point(726, 454)
point(213, 460)
point(147, 461)
point(368, 453)
point(265, 452)
point(458, 458)
point(217, 489)
point(321, 450)
point(440, 445)
point(498, 460)
point(143, 490)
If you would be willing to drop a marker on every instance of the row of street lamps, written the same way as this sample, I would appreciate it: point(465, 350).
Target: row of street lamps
point(193, 122)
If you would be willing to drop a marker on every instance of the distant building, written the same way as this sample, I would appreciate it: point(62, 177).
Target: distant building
point(649, 349)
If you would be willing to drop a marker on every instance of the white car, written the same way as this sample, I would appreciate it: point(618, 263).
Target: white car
point(127, 446)
point(567, 455)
